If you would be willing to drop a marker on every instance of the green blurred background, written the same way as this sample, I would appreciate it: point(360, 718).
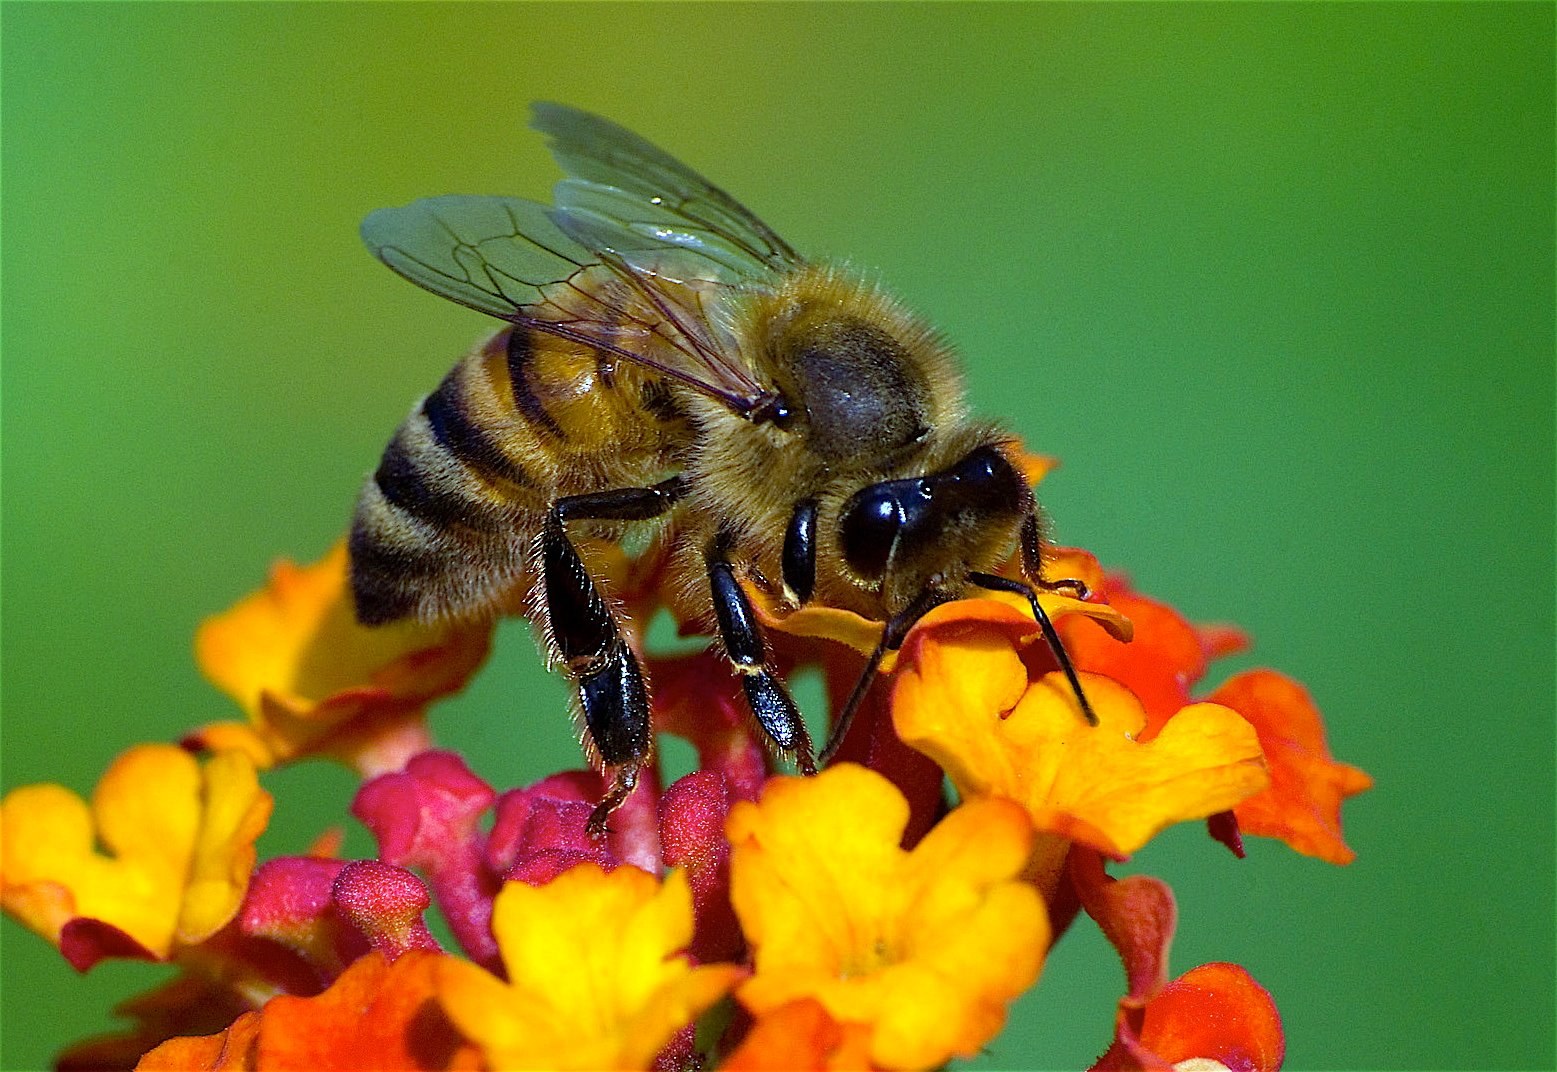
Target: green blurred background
point(1274, 281)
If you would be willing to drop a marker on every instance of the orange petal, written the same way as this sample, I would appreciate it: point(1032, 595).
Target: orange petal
point(1303, 804)
point(963, 697)
point(801, 1037)
point(1213, 1016)
point(233, 1050)
point(180, 848)
point(926, 947)
point(1216, 1011)
point(1035, 467)
point(593, 977)
point(376, 1015)
point(1137, 914)
point(312, 680)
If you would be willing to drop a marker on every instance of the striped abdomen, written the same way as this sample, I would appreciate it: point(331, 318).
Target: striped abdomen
point(445, 525)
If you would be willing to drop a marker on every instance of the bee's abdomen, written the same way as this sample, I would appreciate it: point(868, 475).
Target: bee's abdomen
point(445, 523)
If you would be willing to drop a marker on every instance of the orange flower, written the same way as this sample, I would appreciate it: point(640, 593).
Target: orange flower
point(1169, 655)
point(594, 981)
point(965, 696)
point(1163, 661)
point(312, 680)
point(181, 847)
point(1303, 804)
point(926, 947)
point(376, 1015)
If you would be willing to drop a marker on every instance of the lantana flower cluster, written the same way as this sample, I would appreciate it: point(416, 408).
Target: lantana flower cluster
point(883, 914)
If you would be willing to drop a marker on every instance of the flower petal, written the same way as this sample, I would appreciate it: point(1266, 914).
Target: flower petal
point(799, 1037)
point(428, 817)
point(385, 903)
point(235, 813)
point(290, 902)
point(235, 1049)
point(312, 680)
point(1303, 804)
point(693, 811)
point(1213, 1016)
point(1216, 1011)
point(377, 1015)
point(1137, 914)
point(863, 634)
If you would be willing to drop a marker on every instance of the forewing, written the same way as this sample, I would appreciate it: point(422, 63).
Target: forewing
point(637, 198)
point(506, 257)
point(493, 254)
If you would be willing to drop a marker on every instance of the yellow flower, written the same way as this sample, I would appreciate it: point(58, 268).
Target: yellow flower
point(180, 843)
point(594, 981)
point(313, 681)
point(927, 947)
point(966, 696)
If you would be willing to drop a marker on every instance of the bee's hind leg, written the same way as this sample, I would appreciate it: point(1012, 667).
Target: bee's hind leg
point(742, 637)
point(584, 628)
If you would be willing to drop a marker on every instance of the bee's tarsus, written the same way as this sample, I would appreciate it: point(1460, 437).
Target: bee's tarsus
point(622, 785)
point(1050, 634)
point(1075, 586)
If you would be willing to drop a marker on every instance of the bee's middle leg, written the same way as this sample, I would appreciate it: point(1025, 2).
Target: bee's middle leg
point(585, 630)
point(742, 637)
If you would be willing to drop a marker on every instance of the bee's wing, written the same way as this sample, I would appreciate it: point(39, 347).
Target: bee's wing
point(493, 254)
point(627, 196)
point(506, 257)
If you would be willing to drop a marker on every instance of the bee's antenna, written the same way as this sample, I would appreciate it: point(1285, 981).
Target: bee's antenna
point(1050, 634)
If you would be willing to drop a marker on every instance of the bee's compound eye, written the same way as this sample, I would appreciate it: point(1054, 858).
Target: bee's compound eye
point(869, 527)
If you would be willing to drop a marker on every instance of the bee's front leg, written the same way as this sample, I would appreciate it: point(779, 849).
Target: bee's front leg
point(766, 692)
point(1032, 565)
point(584, 628)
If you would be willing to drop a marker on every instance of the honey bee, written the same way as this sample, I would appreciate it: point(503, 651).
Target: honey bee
point(668, 356)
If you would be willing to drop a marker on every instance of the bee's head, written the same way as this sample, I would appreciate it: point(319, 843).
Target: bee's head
point(918, 533)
